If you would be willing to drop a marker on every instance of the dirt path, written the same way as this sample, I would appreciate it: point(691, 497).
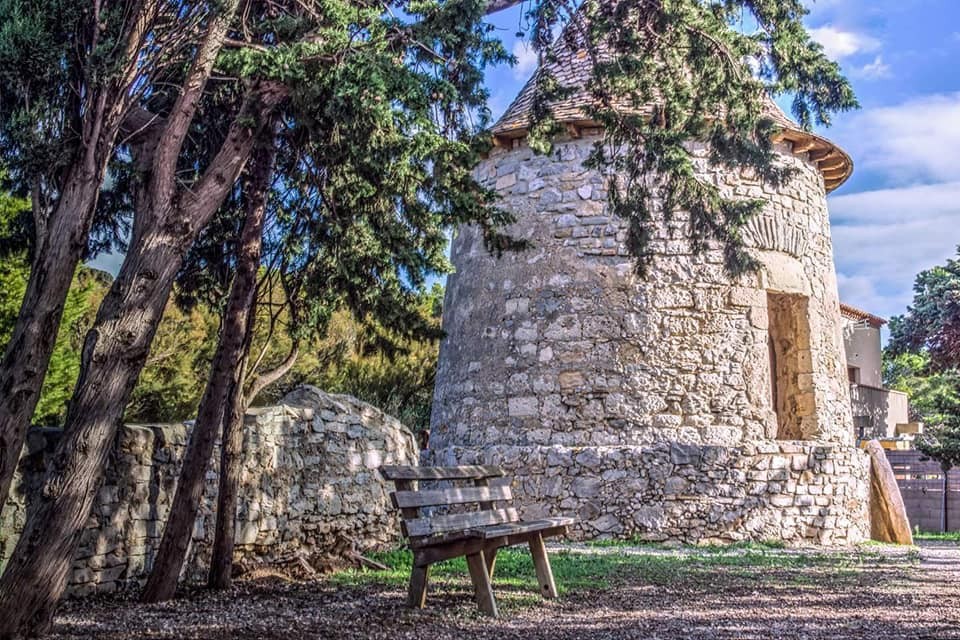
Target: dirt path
point(941, 559)
point(886, 593)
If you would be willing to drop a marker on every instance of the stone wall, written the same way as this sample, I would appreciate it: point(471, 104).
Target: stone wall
point(798, 493)
point(309, 486)
point(563, 346)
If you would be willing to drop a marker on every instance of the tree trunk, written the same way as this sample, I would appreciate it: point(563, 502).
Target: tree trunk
point(34, 335)
point(113, 355)
point(231, 462)
point(60, 242)
point(224, 376)
point(243, 304)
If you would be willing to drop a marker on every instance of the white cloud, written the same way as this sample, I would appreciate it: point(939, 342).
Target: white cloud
point(915, 141)
point(875, 70)
point(526, 60)
point(839, 44)
point(859, 291)
point(883, 238)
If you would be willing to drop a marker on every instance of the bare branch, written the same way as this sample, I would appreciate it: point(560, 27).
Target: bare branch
point(264, 380)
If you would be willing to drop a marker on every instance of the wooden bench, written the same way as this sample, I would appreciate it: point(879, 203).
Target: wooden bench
point(476, 534)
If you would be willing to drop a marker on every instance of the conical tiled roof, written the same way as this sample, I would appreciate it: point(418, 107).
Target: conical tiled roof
point(572, 66)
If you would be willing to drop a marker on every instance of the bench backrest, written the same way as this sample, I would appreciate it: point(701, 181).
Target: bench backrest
point(411, 500)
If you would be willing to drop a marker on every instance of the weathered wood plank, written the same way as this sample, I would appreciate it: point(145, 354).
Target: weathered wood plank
point(483, 482)
point(483, 590)
point(455, 495)
point(541, 562)
point(408, 513)
point(417, 594)
point(458, 522)
point(523, 526)
point(490, 556)
point(454, 549)
point(468, 472)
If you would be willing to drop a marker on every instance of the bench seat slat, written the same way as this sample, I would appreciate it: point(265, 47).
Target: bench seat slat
point(456, 495)
point(466, 472)
point(514, 528)
point(459, 521)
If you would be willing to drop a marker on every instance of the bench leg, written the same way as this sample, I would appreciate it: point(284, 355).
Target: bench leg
point(541, 563)
point(481, 583)
point(490, 557)
point(417, 595)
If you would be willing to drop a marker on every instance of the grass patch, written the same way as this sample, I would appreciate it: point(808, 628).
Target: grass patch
point(514, 569)
point(949, 536)
point(751, 563)
point(636, 542)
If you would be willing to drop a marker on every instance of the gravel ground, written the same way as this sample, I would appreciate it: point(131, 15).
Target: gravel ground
point(890, 594)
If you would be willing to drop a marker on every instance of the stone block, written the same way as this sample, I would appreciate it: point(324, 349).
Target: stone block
point(585, 487)
point(526, 406)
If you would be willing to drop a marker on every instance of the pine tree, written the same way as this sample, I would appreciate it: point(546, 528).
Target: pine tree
point(435, 59)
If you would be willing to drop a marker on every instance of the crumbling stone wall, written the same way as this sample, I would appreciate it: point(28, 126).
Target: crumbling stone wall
point(309, 486)
point(563, 345)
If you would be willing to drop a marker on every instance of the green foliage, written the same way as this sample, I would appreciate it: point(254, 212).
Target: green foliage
point(173, 378)
point(14, 269)
point(375, 164)
point(38, 60)
point(64, 363)
point(923, 359)
point(82, 300)
point(57, 57)
point(81, 303)
point(949, 536)
point(171, 383)
point(375, 150)
point(932, 321)
point(934, 395)
point(391, 372)
point(398, 380)
point(672, 72)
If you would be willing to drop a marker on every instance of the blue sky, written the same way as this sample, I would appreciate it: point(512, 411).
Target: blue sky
point(900, 211)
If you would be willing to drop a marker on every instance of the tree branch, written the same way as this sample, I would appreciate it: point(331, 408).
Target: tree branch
point(200, 203)
point(178, 122)
point(264, 380)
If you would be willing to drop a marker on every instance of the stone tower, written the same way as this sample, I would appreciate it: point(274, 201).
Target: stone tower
point(688, 405)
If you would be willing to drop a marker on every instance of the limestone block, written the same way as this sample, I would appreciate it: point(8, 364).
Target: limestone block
point(888, 515)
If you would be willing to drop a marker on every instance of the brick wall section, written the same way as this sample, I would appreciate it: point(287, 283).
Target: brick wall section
point(309, 485)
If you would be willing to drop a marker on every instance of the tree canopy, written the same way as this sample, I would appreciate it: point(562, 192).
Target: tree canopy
point(667, 72)
point(924, 358)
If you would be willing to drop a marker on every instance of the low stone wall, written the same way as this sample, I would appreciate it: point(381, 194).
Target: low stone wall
point(795, 492)
point(309, 485)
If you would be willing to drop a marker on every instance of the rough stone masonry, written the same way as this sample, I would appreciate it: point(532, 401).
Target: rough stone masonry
point(309, 487)
point(688, 405)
